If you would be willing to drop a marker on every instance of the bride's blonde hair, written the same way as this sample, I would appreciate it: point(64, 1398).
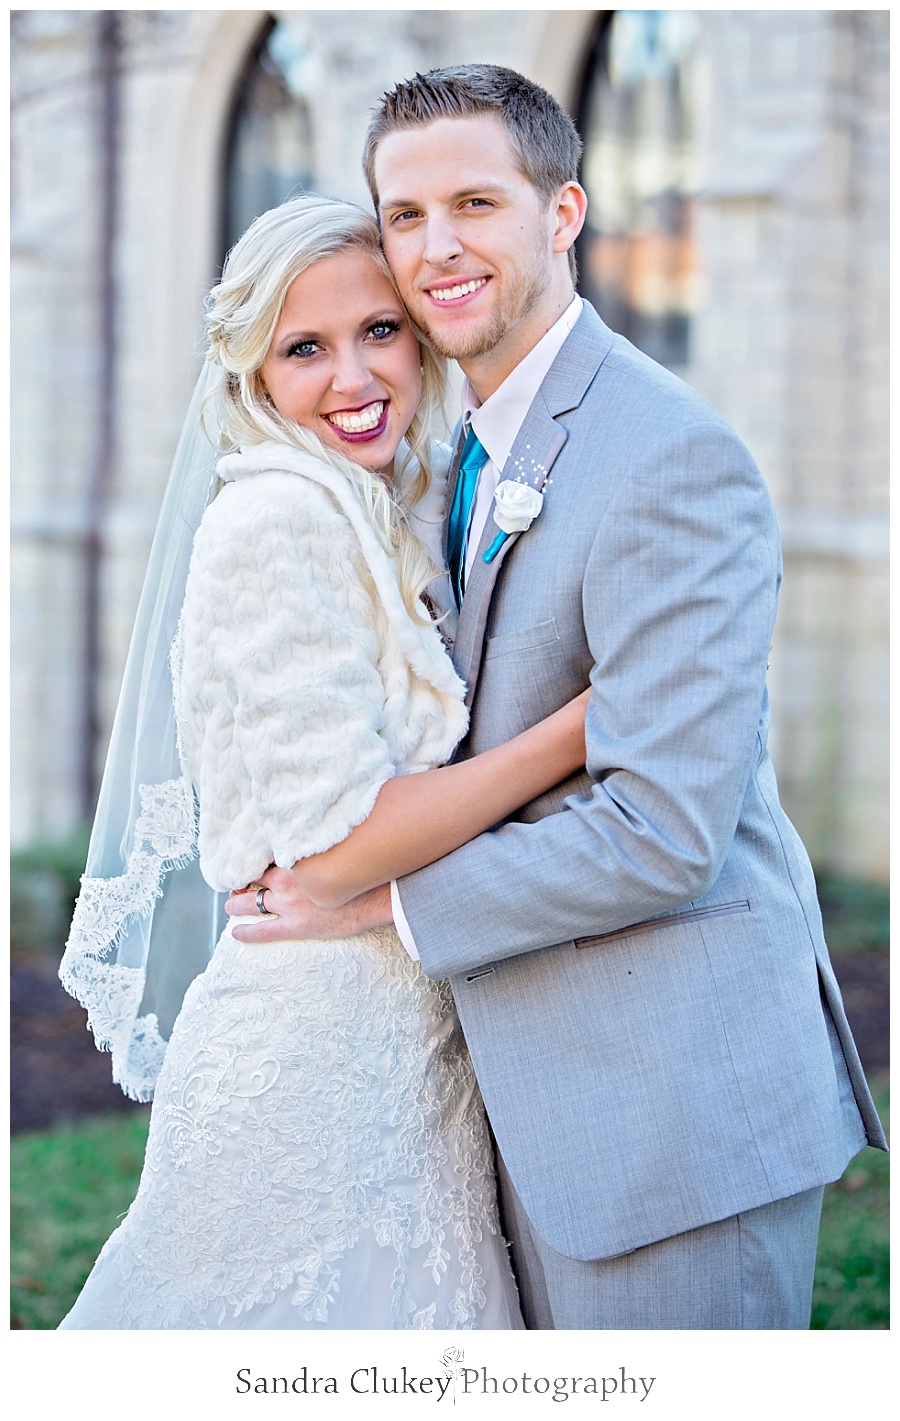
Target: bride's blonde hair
point(242, 314)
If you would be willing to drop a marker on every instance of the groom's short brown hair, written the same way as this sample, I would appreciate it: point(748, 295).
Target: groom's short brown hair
point(542, 136)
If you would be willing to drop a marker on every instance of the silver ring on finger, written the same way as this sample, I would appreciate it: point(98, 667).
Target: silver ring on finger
point(261, 903)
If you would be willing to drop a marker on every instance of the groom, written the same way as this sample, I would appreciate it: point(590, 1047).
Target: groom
point(637, 959)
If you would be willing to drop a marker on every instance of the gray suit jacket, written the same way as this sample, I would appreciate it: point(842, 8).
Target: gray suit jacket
point(638, 958)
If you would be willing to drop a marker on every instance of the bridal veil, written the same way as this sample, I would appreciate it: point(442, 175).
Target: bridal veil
point(146, 922)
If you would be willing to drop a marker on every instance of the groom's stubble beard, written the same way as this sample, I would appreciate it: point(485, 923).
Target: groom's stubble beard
point(518, 300)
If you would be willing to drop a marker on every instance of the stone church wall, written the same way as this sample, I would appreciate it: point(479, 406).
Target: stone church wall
point(790, 333)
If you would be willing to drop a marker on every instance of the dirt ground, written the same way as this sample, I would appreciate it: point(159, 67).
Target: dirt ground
point(57, 1075)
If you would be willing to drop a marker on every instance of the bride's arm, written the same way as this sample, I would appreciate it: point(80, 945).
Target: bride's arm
point(419, 818)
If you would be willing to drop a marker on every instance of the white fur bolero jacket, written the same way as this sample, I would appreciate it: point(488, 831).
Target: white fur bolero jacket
point(301, 682)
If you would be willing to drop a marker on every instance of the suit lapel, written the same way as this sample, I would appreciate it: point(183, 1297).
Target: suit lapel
point(452, 478)
point(541, 438)
point(536, 449)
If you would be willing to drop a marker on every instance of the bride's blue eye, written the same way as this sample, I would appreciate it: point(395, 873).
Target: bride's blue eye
point(303, 348)
point(382, 329)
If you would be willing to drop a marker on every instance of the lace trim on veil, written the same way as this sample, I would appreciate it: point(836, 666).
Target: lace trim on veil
point(165, 838)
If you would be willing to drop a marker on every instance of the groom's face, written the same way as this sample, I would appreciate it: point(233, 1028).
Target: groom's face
point(469, 238)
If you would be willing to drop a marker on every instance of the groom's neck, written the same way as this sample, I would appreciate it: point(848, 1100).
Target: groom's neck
point(487, 371)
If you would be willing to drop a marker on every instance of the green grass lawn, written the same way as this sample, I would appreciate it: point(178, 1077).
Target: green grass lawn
point(852, 1265)
point(70, 1185)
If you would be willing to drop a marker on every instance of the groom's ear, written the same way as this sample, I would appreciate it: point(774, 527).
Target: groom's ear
point(570, 210)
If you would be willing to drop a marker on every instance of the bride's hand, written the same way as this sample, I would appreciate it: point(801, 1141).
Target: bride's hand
point(291, 914)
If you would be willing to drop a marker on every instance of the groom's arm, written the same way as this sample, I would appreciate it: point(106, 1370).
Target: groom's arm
point(679, 598)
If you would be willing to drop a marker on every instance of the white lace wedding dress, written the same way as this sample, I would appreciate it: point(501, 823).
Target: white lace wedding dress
point(318, 1157)
point(318, 1153)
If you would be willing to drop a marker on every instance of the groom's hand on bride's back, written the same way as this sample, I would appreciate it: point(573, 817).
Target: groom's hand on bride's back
point(291, 914)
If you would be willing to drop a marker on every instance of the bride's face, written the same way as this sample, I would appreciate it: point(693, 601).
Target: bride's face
point(344, 361)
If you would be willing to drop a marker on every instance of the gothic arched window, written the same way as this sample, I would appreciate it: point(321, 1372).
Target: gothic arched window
point(636, 250)
point(268, 149)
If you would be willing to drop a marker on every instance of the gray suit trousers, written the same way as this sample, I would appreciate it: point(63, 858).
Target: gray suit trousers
point(752, 1271)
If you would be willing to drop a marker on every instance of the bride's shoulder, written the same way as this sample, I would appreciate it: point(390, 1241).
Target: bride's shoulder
point(248, 469)
point(264, 510)
point(270, 477)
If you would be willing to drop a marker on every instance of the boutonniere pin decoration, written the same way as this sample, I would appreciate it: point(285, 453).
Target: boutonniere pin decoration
point(516, 505)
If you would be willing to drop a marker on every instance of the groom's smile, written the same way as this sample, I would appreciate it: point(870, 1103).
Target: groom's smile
point(454, 290)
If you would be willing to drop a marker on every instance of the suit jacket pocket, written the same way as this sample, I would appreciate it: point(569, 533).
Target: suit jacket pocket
point(524, 639)
point(650, 925)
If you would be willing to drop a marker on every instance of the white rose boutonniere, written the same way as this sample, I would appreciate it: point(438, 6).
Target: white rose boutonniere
point(516, 507)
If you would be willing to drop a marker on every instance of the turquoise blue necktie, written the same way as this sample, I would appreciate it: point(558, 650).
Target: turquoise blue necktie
point(472, 460)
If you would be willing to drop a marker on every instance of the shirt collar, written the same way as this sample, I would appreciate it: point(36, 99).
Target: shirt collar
point(499, 419)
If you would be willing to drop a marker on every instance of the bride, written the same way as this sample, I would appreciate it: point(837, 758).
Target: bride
point(318, 1154)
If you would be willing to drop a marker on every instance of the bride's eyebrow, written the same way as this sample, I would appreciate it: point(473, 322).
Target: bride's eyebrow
point(395, 312)
point(295, 338)
point(384, 313)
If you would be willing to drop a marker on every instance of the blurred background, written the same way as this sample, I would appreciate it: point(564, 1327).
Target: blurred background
point(736, 164)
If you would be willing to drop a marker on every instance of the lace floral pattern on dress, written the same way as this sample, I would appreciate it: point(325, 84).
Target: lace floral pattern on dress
point(316, 1106)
